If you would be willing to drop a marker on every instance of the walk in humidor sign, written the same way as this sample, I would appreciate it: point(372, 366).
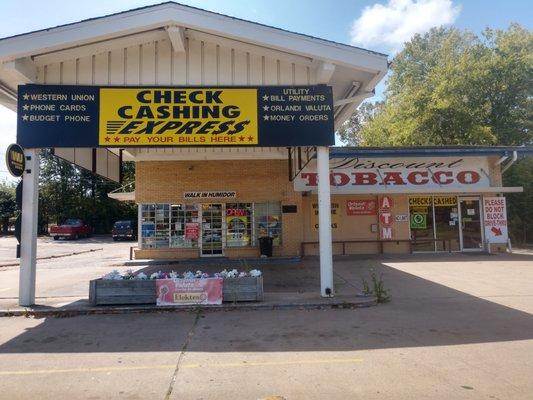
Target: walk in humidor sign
point(409, 175)
point(92, 116)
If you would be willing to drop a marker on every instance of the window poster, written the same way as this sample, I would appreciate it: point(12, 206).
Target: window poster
point(237, 232)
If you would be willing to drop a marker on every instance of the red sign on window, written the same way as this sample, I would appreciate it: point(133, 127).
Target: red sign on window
point(235, 212)
point(361, 207)
point(192, 231)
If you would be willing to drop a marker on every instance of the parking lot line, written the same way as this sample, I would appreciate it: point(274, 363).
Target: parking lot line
point(188, 366)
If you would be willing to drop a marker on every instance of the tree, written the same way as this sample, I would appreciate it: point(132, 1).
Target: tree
point(8, 205)
point(66, 191)
point(350, 130)
point(450, 87)
point(519, 205)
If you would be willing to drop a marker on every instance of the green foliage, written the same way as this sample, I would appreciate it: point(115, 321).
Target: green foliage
point(8, 206)
point(68, 192)
point(366, 287)
point(349, 132)
point(520, 205)
point(450, 87)
point(378, 288)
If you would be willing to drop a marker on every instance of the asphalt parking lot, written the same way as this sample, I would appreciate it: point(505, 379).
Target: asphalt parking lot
point(458, 327)
point(64, 277)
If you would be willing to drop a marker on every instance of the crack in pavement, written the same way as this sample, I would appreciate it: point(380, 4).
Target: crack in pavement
point(190, 334)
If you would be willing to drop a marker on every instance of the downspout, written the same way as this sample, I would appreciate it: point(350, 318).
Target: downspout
point(508, 165)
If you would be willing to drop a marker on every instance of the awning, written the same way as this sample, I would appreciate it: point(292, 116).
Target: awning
point(122, 196)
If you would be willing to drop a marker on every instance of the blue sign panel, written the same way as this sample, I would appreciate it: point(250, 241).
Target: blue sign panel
point(92, 116)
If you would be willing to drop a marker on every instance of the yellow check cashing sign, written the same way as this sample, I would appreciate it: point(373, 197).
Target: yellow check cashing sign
point(178, 116)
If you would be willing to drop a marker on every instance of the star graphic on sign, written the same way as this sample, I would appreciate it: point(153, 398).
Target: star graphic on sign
point(265, 108)
point(24, 117)
point(26, 96)
point(25, 107)
point(265, 97)
point(107, 138)
point(241, 138)
point(250, 138)
point(117, 139)
point(266, 117)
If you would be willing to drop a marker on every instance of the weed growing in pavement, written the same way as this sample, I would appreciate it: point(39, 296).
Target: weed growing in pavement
point(377, 289)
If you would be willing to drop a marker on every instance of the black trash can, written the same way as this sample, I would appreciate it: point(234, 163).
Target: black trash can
point(265, 246)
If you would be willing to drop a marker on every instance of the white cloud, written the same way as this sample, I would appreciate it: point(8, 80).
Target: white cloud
point(393, 24)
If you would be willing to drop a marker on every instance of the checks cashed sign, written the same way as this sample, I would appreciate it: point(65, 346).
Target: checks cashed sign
point(495, 219)
point(92, 116)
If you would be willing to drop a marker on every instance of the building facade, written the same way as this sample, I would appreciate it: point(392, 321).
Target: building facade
point(199, 208)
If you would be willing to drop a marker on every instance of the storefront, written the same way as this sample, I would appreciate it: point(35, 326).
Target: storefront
point(382, 200)
point(230, 126)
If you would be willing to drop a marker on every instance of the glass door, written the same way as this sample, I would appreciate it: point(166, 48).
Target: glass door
point(470, 220)
point(212, 229)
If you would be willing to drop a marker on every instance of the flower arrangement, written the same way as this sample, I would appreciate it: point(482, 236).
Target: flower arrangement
point(129, 274)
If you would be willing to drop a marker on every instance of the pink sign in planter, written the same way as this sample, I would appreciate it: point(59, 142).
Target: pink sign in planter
point(171, 292)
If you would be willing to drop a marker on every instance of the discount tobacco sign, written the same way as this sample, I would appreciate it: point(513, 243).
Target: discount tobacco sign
point(409, 175)
point(91, 116)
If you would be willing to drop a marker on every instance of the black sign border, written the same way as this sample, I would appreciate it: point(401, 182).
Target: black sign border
point(325, 142)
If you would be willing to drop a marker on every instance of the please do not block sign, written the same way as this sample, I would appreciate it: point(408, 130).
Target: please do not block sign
point(495, 219)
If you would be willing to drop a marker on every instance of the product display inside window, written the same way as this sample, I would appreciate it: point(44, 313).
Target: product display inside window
point(268, 221)
point(184, 226)
point(155, 225)
point(211, 227)
point(238, 224)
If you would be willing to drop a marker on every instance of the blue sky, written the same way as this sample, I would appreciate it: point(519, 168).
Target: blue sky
point(377, 25)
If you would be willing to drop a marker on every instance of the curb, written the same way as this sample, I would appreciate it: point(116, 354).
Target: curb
point(63, 313)
point(217, 261)
point(55, 256)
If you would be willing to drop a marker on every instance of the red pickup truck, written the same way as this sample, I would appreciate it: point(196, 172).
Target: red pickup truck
point(71, 228)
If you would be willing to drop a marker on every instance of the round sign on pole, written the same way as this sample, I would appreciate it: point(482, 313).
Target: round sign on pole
point(15, 160)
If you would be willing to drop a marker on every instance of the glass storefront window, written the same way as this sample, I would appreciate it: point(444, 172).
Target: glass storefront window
point(268, 221)
point(238, 224)
point(421, 223)
point(446, 222)
point(179, 225)
point(155, 225)
point(181, 216)
point(434, 223)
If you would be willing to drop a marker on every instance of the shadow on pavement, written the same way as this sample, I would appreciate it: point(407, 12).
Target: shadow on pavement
point(422, 313)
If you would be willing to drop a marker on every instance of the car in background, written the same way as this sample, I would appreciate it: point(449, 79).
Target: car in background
point(72, 228)
point(126, 229)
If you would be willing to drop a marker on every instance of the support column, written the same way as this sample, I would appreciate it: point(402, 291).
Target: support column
point(28, 239)
point(324, 222)
point(139, 225)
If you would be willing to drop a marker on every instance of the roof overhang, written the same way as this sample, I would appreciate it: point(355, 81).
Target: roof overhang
point(429, 151)
point(352, 72)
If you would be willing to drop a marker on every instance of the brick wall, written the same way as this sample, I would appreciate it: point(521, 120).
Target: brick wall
point(253, 180)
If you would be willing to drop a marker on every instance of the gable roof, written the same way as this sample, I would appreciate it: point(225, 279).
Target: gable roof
point(351, 71)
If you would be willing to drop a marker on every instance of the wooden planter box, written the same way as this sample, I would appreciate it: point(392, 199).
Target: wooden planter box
point(243, 289)
point(109, 292)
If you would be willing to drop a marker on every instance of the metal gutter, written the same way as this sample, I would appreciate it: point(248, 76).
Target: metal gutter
point(502, 151)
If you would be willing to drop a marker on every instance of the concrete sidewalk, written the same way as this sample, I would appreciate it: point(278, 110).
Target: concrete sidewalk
point(287, 284)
